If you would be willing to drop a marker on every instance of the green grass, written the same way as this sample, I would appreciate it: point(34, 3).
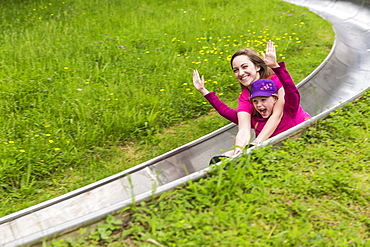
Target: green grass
point(82, 79)
point(313, 191)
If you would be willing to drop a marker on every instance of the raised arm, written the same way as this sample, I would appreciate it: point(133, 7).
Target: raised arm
point(270, 59)
point(292, 96)
point(223, 109)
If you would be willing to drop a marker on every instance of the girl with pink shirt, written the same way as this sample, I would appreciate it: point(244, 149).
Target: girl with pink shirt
point(248, 68)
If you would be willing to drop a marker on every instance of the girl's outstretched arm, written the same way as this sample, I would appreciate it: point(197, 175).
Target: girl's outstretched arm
point(198, 83)
point(223, 109)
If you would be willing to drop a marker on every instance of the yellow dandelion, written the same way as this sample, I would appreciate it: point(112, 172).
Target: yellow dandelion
point(161, 90)
point(47, 135)
point(22, 150)
point(66, 68)
point(203, 19)
point(51, 141)
point(36, 135)
point(11, 141)
point(87, 82)
point(56, 149)
point(191, 93)
point(204, 102)
point(298, 41)
point(221, 94)
point(185, 84)
point(147, 52)
point(302, 23)
point(187, 89)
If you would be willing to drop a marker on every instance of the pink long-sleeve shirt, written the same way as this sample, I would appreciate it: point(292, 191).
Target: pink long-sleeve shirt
point(293, 113)
point(227, 112)
point(232, 115)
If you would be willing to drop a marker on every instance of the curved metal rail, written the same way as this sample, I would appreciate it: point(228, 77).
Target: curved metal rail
point(342, 77)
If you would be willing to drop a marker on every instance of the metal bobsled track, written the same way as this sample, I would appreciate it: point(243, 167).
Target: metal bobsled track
point(342, 77)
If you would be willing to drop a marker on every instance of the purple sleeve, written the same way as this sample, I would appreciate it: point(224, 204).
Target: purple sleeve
point(223, 109)
point(292, 97)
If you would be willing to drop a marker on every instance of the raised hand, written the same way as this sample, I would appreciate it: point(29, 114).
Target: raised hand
point(198, 83)
point(270, 56)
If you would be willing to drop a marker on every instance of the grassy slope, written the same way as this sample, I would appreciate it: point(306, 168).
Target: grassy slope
point(68, 68)
point(313, 191)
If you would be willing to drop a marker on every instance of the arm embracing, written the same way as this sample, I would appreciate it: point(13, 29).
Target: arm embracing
point(274, 119)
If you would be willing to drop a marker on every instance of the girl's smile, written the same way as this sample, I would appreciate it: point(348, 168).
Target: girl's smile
point(264, 105)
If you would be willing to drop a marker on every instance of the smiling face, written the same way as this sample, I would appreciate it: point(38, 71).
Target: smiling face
point(264, 105)
point(245, 71)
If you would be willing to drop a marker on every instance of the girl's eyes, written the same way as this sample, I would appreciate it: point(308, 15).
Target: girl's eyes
point(256, 101)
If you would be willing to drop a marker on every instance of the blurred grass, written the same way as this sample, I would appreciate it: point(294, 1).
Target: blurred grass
point(81, 79)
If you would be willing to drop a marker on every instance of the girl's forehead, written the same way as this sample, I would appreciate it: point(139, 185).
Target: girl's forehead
point(241, 59)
